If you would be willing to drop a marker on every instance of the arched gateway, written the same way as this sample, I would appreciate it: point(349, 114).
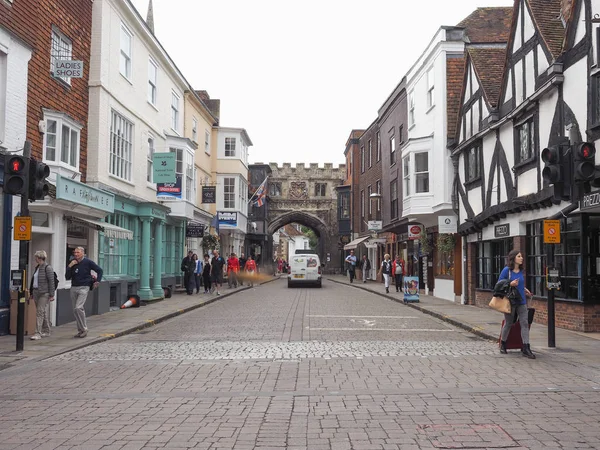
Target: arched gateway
point(302, 194)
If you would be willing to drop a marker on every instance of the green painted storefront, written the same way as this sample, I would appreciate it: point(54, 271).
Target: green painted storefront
point(150, 261)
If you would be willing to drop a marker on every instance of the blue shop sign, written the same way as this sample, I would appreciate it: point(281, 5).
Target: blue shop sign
point(227, 219)
point(82, 194)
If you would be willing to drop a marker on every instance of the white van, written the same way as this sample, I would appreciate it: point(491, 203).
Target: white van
point(305, 269)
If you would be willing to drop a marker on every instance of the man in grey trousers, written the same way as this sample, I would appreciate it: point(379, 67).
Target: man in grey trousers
point(79, 272)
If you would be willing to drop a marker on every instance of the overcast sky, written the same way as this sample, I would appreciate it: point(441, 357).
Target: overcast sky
point(299, 76)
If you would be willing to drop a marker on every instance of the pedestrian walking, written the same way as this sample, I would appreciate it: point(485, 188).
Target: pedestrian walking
point(514, 273)
point(233, 268)
point(365, 266)
point(206, 274)
point(197, 272)
point(216, 274)
point(42, 287)
point(185, 262)
point(79, 271)
point(242, 259)
point(398, 272)
point(351, 261)
point(250, 267)
point(386, 271)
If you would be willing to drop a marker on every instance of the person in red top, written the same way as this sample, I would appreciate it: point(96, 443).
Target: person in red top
point(250, 269)
point(233, 267)
point(398, 272)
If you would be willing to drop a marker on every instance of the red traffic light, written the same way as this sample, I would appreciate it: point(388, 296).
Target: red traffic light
point(16, 164)
point(585, 150)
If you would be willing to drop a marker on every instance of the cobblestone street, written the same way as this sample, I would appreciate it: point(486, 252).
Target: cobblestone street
point(330, 368)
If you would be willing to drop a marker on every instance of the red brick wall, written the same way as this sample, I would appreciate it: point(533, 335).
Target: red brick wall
point(32, 21)
point(568, 315)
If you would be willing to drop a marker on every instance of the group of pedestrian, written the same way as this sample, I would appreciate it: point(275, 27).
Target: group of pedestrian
point(388, 270)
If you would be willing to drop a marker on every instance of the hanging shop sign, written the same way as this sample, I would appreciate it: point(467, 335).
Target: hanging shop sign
point(374, 225)
point(82, 194)
point(414, 231)
point(209, 194)
point(227, 219)
point(194, 230)
point(169, 190)
point(447, 224)
point(502, 231)
point(163, 168)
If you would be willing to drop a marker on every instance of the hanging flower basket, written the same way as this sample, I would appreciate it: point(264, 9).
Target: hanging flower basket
point(210, 242)
point(445, 243)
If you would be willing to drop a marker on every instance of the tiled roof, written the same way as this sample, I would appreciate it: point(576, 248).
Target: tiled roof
point(547, 16)
point(455, 69)
point(487, 25)
point(489, 67)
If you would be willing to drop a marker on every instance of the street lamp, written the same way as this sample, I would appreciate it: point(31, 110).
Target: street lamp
point(376, 196)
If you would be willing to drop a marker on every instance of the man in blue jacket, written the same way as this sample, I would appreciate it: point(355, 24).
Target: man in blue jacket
point(79, 272)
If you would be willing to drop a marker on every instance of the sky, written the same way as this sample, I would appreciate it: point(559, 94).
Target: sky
point(300, 76)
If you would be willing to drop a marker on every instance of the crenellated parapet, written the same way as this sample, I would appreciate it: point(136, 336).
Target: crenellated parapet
point(312, 170)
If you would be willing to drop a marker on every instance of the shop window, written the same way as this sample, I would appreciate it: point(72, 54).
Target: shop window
point(39, 219)
point(567, 256)
point(491, 259)
point(117, 256)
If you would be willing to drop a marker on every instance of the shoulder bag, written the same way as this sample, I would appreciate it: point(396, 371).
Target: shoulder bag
point(501, 304)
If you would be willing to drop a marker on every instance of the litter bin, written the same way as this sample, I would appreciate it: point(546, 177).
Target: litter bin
point(30, 313)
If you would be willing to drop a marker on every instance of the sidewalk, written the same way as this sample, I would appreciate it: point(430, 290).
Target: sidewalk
point(106, 326)
point(484, 322)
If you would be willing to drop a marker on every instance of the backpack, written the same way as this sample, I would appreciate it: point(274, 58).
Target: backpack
point(55, 279)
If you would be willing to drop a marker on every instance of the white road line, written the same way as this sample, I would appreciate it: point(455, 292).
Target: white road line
point(366, 317)
point(376, 329)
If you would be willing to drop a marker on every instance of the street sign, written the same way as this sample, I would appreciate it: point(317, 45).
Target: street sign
point(552, 279)
point(551, 231)
point(414, 231)
point(22, 228)
point(447, 224)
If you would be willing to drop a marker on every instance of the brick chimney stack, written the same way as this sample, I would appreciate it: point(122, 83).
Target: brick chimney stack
point(566, 8)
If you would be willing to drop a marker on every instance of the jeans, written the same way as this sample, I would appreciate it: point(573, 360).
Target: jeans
point(352, 274)
point(509, 319)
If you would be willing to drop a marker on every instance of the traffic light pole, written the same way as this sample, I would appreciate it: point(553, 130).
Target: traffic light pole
point(23, 259)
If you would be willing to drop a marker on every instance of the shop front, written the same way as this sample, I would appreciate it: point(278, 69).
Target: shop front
point(148, 264)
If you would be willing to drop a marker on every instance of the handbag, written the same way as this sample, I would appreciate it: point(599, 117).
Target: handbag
point(502, 304)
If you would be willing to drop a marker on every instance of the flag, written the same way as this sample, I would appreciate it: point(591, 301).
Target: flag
point(260, 193)
point(215, 222)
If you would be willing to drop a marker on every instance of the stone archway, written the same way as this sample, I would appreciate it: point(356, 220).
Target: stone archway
point(311, 221)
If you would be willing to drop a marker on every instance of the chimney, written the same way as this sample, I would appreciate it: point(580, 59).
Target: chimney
point(150, 17)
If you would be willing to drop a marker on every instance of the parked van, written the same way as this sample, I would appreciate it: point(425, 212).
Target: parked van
point(305, 269)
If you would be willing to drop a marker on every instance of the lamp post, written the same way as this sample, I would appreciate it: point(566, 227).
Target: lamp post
point(375, 226)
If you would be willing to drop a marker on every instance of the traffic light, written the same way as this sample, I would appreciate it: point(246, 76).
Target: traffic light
point(557, 169)
point(38, 186)
point(15, 175)
point(584, 167)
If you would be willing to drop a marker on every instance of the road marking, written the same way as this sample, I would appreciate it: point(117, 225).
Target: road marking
point(366, 317)
point(376, 329)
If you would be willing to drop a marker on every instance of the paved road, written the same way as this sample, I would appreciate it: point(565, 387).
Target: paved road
point(330, 368)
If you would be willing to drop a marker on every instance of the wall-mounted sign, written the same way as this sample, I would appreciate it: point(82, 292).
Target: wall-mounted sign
point(68, 68)
point(163, 168)
point(447, 224)
point(194, 230)
point(22, 228)
point(169, 190)
point(502, 231)
point(590, 200)
point(82, 194)
point(209, 194)
point(375, 225)
point(414, 231)
point(227, 219)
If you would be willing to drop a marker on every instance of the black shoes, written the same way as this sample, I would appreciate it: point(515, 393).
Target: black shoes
point(387, 290)
point(503, 347)
point(526, 350)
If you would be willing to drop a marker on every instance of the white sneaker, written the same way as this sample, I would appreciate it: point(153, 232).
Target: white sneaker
point(45, 335)
point(35, 337)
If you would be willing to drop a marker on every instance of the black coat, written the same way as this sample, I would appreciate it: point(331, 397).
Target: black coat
point(365, 264)
point(501, 289)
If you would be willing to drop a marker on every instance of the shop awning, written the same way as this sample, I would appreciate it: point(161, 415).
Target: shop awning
point(109, 230)
point(353, 244)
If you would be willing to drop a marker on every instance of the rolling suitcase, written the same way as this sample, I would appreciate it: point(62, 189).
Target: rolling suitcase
point(514, 341)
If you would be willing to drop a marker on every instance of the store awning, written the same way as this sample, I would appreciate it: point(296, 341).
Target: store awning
point(353, 244)
point(109, 230)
